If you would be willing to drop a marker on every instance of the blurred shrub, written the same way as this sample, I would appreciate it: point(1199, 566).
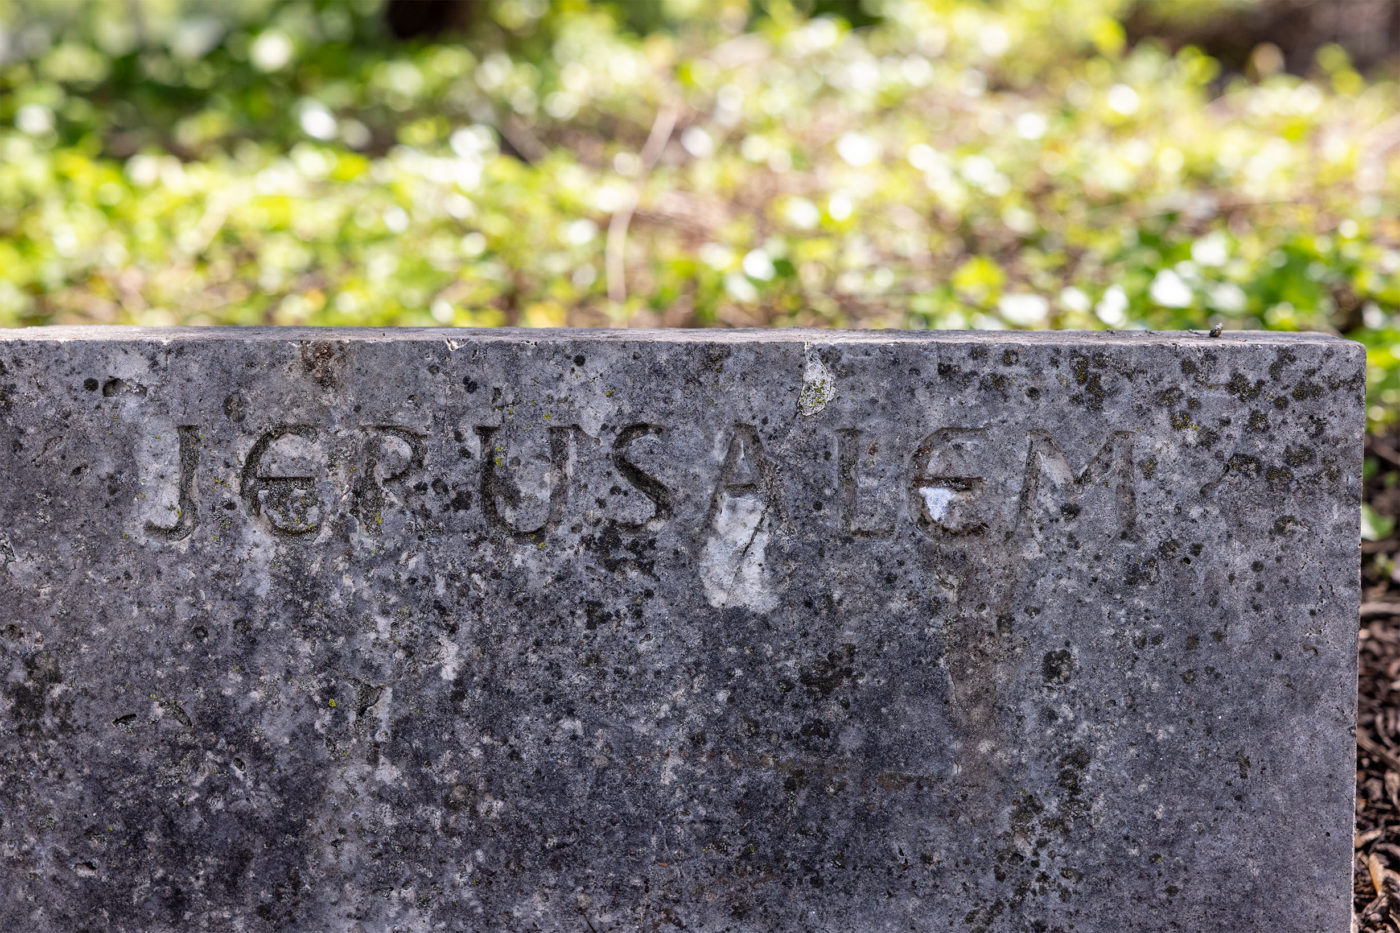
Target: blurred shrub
point(953, 164)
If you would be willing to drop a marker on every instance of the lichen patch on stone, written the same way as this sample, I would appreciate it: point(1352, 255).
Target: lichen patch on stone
point(818, 384)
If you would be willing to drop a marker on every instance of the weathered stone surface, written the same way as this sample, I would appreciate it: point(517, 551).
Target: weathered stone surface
point(344, 630)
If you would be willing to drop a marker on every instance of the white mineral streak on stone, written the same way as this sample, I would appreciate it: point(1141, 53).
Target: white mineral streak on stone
point(936, 500)
point(450, 665)
point(257, 557)
point(158, 465)
point(571, 725)
point(852, 739)
point(731, 562)
point(818, 385)
point(380, 710)
point(590, 419)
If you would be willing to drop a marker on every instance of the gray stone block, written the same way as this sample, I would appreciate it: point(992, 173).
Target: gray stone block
point(460, 630)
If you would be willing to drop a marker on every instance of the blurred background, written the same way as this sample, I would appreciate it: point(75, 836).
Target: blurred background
point(886, 163)
point(1101, 164)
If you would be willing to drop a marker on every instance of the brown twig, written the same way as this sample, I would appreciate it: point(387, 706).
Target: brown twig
point(615, 256)
point(1384, 451)
point(522, 139)
point(1376, 750)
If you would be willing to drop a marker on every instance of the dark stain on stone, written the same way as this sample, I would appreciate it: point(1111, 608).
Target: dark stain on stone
point(826, 674)
point(1140, 570)
point(1092, 393)
point(30, 698)
point(1284, 358)
point(324, 362)
point(1305, 390)
point(1241, 388)
point(1057, 667)
point(1243, 464)
point(616, 551)
point(236, 406)
point(1296, 456)
point(118, 386)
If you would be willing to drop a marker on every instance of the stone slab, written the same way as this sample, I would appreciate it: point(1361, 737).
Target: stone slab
point(548, 630)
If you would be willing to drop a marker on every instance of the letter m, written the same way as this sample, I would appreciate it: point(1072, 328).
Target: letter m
point(1051, 485)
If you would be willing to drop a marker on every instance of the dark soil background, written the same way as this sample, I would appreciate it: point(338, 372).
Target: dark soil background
point(1377, 884)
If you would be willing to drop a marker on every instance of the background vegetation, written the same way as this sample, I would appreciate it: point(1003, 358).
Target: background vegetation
point(939, 163)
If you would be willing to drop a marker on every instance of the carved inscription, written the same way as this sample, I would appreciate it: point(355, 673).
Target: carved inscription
point(745, 473)
point(946, 487)
point(648, 485)
point(289, 502)
point(743, 510)
point(848, 466)
point(185, 514)
point(936, 495)
point(498, 483)
point(1112, 467)
point(376, 473)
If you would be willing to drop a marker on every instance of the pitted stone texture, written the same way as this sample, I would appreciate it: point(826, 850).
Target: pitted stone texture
point(453, 630)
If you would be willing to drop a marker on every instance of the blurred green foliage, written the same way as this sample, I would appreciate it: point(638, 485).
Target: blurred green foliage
point(951, 163)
